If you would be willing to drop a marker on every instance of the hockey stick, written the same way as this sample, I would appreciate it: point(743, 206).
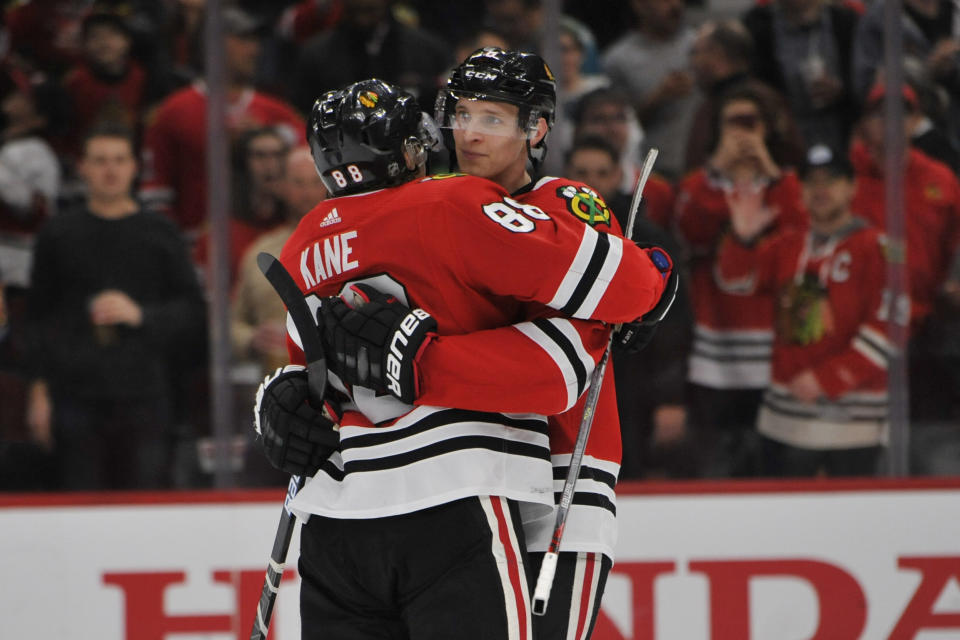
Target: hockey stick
point(296, 304)
point(541, 593)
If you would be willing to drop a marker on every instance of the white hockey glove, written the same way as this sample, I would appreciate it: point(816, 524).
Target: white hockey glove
point(296, 438)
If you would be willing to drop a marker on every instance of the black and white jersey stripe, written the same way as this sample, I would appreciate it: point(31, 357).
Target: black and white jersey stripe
point(589, 274)
point(431, 456)
point(592, 520)
point(856, 406)
point(561, 341)
point(874, 346)
point(735, 358)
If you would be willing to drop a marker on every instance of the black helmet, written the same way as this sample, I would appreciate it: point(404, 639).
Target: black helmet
point(367, 135)
point(514, 77)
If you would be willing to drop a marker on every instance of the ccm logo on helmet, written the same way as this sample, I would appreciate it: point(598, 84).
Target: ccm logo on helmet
point(480, 75)
point(395, 358)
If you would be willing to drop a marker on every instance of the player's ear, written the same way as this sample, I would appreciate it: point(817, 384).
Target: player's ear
point(540, 132)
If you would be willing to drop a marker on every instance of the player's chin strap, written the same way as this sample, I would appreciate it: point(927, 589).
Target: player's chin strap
point(536, 154)
point(541, 593)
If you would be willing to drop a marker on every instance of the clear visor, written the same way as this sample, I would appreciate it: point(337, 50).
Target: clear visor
point(469, 113)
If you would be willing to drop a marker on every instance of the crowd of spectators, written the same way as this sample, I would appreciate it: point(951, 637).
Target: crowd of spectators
point(738, 107)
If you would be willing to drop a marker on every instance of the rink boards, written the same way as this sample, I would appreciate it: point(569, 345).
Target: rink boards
point(827, 560)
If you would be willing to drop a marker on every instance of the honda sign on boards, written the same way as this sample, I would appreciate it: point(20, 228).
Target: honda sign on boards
point(813, 560)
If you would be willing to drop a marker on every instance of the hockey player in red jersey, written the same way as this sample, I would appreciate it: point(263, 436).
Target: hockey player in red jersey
point(414, 521)
point(826, 407)
point(499, 107)
point(175, 139)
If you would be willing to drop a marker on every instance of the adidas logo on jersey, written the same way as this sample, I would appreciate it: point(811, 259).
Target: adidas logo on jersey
point(331, 218)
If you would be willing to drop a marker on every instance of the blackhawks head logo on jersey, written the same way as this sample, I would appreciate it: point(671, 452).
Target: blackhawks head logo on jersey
point(804, 315)
point(586, 204)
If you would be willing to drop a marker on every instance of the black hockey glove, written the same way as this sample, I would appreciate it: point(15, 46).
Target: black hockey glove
point(296, 438)
point(634, 336)
point(374, 340)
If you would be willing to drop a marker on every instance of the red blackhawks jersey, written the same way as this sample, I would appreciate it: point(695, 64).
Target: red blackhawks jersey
point(476, 259)
point(830, 317)
point(932, 218)
point(175, 147)
point(732, 335)
point(531, 366)
point(94, 99)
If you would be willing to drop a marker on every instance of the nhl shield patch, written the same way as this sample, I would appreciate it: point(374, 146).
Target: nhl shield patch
point(586, 204)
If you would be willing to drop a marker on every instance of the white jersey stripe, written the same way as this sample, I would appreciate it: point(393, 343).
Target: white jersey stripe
point(878, 339)
point(607, 271)
point(590, 587)
point(576, 594)
point(578, 267)
point(507, 555)
point(870, 352)
point(557, 355)
point(524, 596)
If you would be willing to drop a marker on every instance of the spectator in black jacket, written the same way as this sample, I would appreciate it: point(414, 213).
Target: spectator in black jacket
point(803, 49)
point(113, 291)
point(368, 42)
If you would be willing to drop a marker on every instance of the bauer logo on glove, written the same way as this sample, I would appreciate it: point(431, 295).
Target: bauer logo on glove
point(375, 341)
point(410, 330)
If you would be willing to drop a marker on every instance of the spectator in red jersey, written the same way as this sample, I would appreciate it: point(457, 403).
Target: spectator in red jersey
point(932, 200)
point(306, 18)
point(174, 172)
point(932, 225)
point(720, 57)
point(826, 408)
point(107, 85)
point(607, 113)
point(46, 33)
point(259, 156)
point(650, 404)
point(729, 366)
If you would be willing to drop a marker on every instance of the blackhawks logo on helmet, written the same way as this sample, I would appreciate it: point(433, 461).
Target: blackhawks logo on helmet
point(586, 204)
point(369, 99)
